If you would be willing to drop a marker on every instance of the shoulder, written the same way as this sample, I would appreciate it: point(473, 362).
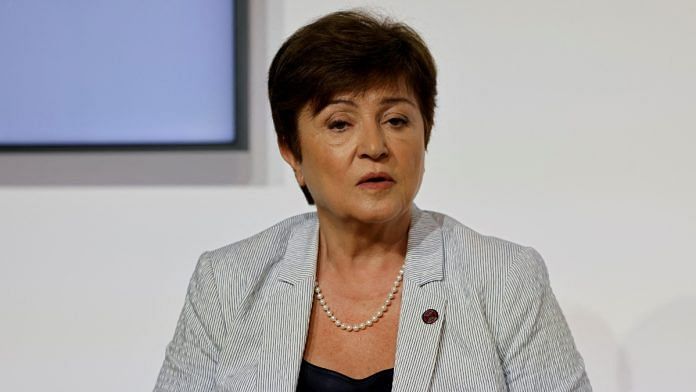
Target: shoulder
point(485, 262)
point(469, 246)
point(240, 267)
point(263, 246)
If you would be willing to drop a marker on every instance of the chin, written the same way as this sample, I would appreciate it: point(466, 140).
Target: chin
point(379, 211)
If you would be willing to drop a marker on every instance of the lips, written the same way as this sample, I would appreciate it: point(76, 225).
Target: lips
point(375, 178)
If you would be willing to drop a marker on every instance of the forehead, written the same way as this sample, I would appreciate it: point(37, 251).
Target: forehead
point(374, 93)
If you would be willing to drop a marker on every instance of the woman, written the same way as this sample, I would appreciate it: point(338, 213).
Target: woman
point(370, 292)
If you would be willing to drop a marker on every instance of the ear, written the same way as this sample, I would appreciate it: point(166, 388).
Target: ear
point(290, 158)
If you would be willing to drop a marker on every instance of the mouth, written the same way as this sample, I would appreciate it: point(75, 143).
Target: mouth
point(378, 180)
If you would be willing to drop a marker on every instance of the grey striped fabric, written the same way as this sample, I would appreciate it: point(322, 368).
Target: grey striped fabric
point(246, 314)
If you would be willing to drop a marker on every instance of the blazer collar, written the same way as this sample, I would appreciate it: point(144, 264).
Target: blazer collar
point(300, 259)
point(424, 255)
point(287, 309)
point(423, 291)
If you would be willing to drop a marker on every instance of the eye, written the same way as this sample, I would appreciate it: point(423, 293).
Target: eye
point(397, 122)
point(338, 125)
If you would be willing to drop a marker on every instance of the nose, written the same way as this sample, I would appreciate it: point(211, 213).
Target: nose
point(373, 142)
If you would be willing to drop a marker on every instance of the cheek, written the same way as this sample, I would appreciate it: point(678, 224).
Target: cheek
point(324, 169)
point(412, 156)
point(417, 167)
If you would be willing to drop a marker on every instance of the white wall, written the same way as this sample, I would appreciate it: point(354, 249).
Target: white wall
point(565, 125)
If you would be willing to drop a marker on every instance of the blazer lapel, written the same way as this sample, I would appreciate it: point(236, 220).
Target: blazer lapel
point(287, 309)
point(423, 290)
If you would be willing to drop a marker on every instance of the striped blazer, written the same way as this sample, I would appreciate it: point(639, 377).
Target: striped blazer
point(246, 314)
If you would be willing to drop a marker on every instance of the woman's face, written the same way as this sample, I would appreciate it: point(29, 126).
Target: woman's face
point(378, 134)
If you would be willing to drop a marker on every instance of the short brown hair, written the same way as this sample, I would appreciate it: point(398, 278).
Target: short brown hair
point(346, 51)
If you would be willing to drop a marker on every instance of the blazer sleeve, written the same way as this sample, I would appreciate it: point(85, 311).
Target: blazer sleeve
point(537, 348)
point(191, 357)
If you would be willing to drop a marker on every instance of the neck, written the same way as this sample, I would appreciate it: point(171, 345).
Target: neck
point(349, 243)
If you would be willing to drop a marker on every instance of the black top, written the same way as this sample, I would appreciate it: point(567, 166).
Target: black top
point(317, 379)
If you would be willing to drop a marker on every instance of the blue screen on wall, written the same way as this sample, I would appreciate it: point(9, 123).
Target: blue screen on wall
point(86, 73)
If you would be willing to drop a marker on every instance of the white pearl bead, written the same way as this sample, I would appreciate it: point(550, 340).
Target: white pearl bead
point(390, 296)
point(399, 278)
point(374, 318)
point(394, 290)
point(337, 322)
point(344, 326)
point(387, 302)
point(321, 301)
point(317, 290)
point(401, 271)
point(320, 295)
point(325, 307)
point(362, 326)
point(349, 328)
point(379, 313)
point(368, 323)
point(329, 313)
point(333, 318)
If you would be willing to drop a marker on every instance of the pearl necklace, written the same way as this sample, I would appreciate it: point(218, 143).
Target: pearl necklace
point(370, 322)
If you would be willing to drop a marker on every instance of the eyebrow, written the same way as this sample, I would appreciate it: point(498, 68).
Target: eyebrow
point(340, 101)
point(395, 100)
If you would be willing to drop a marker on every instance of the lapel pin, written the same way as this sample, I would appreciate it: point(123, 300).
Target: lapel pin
point(430, 316)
